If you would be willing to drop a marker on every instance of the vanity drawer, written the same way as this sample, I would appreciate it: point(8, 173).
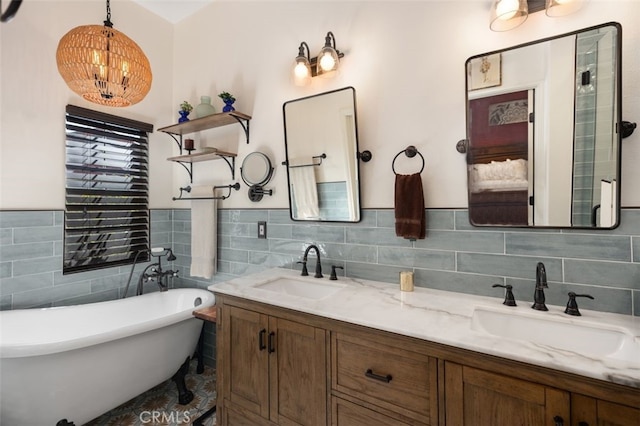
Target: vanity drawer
point(385, 374)
point(345, 413)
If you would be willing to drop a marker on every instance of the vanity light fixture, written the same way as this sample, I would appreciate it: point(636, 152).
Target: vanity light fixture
point(509, 14)
point(103, 65)
point(329, 57)
point(302, 67)
point(325, 63)
point(555, 8)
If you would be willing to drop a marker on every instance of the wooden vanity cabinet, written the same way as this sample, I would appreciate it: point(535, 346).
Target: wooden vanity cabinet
point(281, 367)
point(272, 370)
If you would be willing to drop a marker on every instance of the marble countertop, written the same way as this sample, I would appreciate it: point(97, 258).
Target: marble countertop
point(447, 317)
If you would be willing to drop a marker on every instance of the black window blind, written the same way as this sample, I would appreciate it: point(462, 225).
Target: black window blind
point(106, 219)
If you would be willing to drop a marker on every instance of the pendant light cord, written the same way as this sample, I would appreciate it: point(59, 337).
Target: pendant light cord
point(108, 22)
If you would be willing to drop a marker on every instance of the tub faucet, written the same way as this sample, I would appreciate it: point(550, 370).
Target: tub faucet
point(157, 273)
point(541, 284)
point(318, 264)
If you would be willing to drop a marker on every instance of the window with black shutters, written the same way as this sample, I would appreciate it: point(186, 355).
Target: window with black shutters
point(106, 221)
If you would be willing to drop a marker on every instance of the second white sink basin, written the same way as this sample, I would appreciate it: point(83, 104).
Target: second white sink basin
point(301, 288)
point(566, 335)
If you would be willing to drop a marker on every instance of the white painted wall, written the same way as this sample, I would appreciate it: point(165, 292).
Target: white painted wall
point(33, 97)
point(405, 60)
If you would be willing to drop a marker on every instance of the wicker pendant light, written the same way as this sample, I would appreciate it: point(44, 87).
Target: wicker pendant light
point(103, 65)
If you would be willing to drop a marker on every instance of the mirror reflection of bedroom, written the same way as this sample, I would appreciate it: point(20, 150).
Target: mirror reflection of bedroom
point(541, 127)
point(499, 187)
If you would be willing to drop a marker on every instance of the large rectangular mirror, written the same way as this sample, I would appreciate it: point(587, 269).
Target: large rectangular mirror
point(321, 144)
point(542, 131)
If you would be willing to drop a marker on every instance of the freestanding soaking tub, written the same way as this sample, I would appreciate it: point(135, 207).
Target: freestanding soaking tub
point(77, 362)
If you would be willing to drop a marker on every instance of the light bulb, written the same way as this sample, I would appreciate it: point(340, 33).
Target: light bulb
point(507, 9)
point(301, 70)
point(327, 62)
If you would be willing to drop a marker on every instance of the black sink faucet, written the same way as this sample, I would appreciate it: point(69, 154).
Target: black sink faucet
point(541, 284)
point(318, 265)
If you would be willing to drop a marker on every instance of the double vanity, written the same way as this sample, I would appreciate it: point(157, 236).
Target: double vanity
point(305, 350)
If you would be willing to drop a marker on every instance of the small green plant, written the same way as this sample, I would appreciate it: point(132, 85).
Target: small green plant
point(186, 106)
point(226, 96)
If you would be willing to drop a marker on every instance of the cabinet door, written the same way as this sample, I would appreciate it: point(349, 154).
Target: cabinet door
point(246, 360)
point(477, 397)
point(587, 411)
point(297, 373)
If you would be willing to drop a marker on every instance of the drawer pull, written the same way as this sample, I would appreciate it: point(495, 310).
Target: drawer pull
point(370, 374)
point(558, 421)
point(261, 344)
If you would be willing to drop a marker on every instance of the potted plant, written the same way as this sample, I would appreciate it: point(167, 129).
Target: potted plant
point(185, 109)
point(228, 100)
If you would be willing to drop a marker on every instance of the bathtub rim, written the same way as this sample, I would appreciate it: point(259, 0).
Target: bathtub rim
point(31, 349)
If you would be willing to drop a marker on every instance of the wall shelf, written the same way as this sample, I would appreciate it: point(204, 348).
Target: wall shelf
point(177, 131)
point(209, 122)
point(202, 156)
point(228, 157)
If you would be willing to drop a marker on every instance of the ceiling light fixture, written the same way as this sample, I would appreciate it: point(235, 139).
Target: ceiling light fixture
point(509, 14)
point(103, 65)
point(325, 63)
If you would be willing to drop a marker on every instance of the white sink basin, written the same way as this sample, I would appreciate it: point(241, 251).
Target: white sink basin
point(318, 289)
point(585, 339)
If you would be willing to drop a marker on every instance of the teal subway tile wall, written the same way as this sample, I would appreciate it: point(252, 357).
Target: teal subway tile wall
point(454, 257)
point(31, 248)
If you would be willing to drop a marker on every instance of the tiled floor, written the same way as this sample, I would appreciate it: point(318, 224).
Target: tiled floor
point(159, 406)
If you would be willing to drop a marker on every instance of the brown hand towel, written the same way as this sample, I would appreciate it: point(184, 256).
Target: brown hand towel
point(409, 207)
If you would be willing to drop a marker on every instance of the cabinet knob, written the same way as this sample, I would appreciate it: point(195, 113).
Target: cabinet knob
point(558, 421)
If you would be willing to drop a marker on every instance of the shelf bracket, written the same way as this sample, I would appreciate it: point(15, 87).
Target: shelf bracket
point(188, 168)
point(245, 126)
point(231, 164)
point(178, 142)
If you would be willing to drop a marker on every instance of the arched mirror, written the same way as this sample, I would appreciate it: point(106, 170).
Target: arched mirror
point(543, 132)
point(256, 171)
point(321, 144)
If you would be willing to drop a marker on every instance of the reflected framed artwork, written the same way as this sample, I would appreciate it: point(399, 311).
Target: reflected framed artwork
point(485, 71)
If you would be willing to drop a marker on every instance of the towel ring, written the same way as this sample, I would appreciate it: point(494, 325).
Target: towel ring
point(410, 152)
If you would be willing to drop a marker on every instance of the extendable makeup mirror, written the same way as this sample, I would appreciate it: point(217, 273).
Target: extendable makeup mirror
point(256, 171)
